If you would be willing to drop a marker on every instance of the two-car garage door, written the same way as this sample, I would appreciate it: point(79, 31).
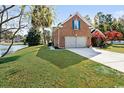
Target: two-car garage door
point(73, 42)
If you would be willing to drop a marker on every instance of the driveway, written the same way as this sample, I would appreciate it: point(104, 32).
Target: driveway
point(111, 59)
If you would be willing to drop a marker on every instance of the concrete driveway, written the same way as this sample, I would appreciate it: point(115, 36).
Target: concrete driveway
point(111, 59)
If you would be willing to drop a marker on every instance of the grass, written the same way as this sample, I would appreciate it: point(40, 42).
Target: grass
point(115, 48)
point(60, 58)
point(40, 67)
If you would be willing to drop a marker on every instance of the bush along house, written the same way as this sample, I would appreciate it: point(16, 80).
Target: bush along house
point(74, 32)
point(98, 38)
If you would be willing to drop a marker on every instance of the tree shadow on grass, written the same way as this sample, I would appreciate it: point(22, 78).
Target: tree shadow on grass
point(61, 59)
point(8, 59)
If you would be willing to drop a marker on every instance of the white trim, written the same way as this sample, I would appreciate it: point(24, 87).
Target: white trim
point(84, 19)
point(67, 19)
point(99, 32)
point(80, 17)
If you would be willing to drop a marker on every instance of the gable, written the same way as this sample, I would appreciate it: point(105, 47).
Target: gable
point(72, 25)
point(78, 16)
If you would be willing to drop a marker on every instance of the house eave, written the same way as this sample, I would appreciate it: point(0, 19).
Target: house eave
point(80, 18)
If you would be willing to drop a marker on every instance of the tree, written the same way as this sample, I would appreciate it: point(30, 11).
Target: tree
point(7, 35)
point(106, 27)
point(113, 35)
point(101, 18)
point(121, 25)
point(10, 22)
point(42, 17)
point(109, 21)
point(88, 18)
point(99, 21)
point(48, 36)
point(101, 27)
point(115, 24)
point(33, 37)
point(118, 25)
point(103, 22)
point(120, 28)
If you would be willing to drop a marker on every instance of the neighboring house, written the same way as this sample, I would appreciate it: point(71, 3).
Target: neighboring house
point(73, 32)
point(6, 37)
point(18, 38)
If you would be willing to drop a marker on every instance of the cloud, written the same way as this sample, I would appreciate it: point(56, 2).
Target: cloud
point(118, 14)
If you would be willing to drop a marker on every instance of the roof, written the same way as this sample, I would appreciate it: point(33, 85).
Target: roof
point(97, 30)
point(84, 19)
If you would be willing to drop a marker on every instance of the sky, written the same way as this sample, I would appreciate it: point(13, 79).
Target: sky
point(63, 11)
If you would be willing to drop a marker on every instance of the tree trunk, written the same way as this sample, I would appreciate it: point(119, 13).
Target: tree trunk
point(111, 28)
point(11, 43)
point(7, 20)
point(0, 33)
point(8, 48)
point(44, 37)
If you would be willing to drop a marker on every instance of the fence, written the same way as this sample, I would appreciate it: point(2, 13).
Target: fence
point(116, 42)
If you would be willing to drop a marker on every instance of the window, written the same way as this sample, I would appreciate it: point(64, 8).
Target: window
point(76, 24)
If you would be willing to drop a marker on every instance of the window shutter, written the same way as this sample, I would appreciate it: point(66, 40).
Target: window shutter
point(79, 24)
point(73, 24)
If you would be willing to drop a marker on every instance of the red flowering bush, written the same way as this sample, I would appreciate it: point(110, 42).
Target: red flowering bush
point(98, 38)
point(113, 35)
point(99, 35)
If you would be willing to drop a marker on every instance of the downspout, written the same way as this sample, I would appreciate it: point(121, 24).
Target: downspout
point(58, 38)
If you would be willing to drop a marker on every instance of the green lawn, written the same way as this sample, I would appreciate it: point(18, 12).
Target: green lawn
point(115, 48)
point(40, 67)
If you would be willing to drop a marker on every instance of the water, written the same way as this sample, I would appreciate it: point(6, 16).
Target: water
point(14, 48)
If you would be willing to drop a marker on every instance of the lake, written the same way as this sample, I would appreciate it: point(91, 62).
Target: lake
point(14, 48)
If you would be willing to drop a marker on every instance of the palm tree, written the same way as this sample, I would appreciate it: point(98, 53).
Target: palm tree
point(42, 17)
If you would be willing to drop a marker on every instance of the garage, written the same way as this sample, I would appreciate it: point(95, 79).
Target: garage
point(75, 42)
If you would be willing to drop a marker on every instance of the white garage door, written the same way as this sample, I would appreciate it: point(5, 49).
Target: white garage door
point(72, 42)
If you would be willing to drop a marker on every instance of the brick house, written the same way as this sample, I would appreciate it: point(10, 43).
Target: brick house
point(73, 32)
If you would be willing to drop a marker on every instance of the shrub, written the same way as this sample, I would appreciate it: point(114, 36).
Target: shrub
point(113, 35)
point(98, 38)
point(33, 37)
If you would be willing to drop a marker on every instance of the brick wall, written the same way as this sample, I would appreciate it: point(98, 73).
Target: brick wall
point(67, 30)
